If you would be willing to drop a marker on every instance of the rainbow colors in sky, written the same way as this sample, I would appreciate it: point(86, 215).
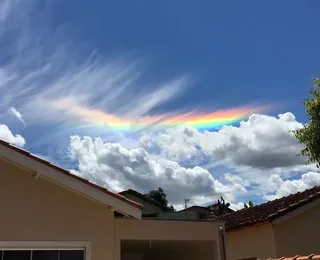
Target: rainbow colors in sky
point(200, 121)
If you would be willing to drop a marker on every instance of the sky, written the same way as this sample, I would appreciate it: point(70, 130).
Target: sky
point(199, 98)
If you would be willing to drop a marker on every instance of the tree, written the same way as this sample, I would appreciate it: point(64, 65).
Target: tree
point(161, 197)
point(249, 205)
point(309, 135)
point(171, 208)
point(222, 207)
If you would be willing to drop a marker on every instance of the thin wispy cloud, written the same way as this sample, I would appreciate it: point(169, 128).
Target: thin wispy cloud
point(14, 112)
point(39, 75)
point(4, 10)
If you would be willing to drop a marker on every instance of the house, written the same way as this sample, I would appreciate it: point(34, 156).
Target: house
point(152, 209)
point(287, 226)
point(49, 213)
point(198, 212)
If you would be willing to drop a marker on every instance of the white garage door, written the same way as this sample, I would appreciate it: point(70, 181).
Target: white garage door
point(42, 255)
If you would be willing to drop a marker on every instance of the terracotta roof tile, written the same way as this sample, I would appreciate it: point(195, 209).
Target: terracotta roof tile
point(66, 172)
point(297, 257)
point(269, 210)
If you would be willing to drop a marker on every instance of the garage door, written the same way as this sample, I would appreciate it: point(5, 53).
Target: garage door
point(42, 255)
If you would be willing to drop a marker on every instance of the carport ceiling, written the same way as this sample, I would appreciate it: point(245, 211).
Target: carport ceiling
point(133, 246)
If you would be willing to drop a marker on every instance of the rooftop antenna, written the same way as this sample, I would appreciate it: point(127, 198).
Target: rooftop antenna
point(186, 200)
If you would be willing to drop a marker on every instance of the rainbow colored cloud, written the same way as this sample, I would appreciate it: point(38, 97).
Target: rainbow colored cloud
point(200, 121)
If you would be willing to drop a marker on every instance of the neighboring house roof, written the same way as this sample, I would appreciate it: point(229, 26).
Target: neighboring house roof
point(297, 257)
point(210, 208)
point(215, 208)
point(195, 208)
point(144, 197)
point(269, 211)
point(18, 156)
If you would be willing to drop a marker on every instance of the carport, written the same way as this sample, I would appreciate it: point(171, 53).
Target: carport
point(166, 249)
point(167, 239)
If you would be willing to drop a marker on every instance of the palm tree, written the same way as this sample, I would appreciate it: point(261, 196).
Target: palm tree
point(222, 207)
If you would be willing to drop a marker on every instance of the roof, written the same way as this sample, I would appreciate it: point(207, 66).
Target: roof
point(215, 208)
point(195, 207)
point(144, 197)
point(268, 211)
point(297, 257)
point(212, 207)
point(69, 174)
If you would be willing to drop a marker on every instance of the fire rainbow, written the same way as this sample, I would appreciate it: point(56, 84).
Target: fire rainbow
point(200, 121)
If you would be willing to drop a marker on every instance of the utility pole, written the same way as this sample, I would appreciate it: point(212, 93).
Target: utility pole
point(186, 200)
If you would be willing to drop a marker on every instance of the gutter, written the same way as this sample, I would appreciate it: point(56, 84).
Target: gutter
point(223, 245)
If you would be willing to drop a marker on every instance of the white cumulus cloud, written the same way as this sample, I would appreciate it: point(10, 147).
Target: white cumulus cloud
point(237, 206)
point(245, 155)
point(262, 141)
point(286, 187)
point(7, 135)
point(119, 168)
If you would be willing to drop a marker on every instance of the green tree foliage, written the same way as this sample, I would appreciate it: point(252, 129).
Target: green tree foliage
point(249, 205)
point(171, 208)
point(161, 197)
point(222, 207)
point(309, 135)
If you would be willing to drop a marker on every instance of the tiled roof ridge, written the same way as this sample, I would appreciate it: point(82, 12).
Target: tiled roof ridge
point(296, 204)
point(270, 210)
point(298, 257)
point(277, 199)
point(64, 171)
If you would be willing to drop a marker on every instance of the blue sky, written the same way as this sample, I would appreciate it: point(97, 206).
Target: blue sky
point(229, 54)
point(238, 52)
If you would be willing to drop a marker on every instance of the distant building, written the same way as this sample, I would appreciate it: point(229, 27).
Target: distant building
point(152, 209)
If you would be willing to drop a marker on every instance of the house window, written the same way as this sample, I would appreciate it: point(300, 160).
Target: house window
point(19, 255)
point(45, 254)
point(43, 250)
point(42, 254)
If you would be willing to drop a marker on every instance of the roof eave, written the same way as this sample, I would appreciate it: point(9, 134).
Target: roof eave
point(18, 156)
point(309, 204)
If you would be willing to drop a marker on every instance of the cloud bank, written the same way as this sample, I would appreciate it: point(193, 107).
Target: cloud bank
point(262, 141)
point(118, 168)
point(258, 156)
